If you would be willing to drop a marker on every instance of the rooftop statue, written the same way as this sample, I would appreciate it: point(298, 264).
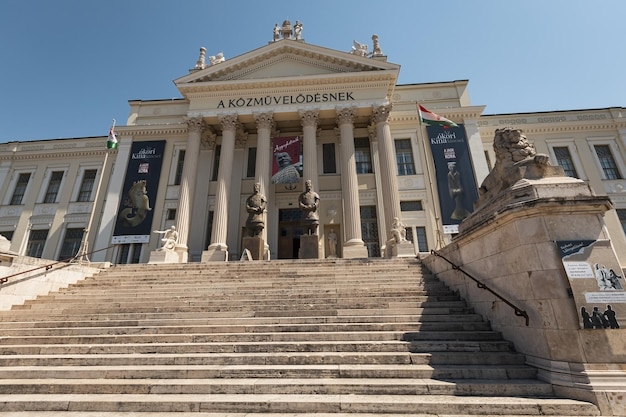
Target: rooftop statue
point(216, 59)
point(376, 51)
point(359, 49)
point(200, 64)
point(297, 28)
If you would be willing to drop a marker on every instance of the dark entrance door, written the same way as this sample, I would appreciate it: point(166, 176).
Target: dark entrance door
point(289, 232)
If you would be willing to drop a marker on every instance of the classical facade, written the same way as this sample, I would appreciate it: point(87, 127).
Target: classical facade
point(358, 139)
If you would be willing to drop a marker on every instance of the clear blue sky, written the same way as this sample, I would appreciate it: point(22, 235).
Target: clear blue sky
point(70, 66)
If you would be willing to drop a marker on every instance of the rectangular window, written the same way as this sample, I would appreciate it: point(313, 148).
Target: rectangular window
point(53, 187)
point(564, 158)
point(607, 162)
point(179, 167)
point(621, 213)
point(251, 169)
point(20, 189)
point(369, 230)
point(209, 230)
point(411, 206)
point(216, 162)
point(86, 186)
point(328, 156)
point(363, 156)
point(170, 214)
point(404, 157)
point(71, 243)
point(422, 242)
point(36, 242)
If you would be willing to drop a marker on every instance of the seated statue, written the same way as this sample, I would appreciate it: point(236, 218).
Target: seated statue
point(169, 239)
point(398, 232)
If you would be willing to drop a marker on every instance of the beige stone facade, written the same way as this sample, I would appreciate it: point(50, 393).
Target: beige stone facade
point(349, 112)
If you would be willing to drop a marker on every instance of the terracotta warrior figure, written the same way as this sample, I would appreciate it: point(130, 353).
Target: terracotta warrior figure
point(309, 202)
point(255, 204)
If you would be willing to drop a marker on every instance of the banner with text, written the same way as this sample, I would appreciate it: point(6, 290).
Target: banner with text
point(287, 160)
point(134, 216)
point(596, 280)
point(456, 183)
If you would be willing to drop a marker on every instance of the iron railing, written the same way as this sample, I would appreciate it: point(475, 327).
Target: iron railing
point(518, 312)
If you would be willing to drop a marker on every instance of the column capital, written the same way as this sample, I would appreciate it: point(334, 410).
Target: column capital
point(309, 117)
point(264, 120)
point(229, 121)
point(208, 138)
point(241, 138)
point(195, 124)
point(380, 114)
point(345, 115)
point(371, 132)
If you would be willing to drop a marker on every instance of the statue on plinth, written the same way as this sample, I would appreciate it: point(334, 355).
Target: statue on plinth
point(332, 244)
point(309, 202)
point(276, 32)
point(169, 239)
point(297, 29)
point(398, 232)
point(255, 205)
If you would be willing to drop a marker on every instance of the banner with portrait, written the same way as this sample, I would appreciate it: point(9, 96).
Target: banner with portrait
point(456, 182)
point(133, 222)
point(597, 282)
point(287, 160)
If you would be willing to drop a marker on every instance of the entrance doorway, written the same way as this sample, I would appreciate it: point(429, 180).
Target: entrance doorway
point(289, 232)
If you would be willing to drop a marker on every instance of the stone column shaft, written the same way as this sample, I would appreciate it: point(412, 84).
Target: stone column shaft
point(349, 181)
point(389, 173)
point(263, 167)
point(188, 180)
point(220, 215)
point(309, 120)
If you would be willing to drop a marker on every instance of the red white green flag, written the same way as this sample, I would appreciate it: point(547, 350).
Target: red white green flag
point(112, 141)
point(431, 119)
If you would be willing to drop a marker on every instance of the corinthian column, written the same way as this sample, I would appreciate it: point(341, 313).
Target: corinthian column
point(218, 249)
point(309, 120)
point(353, 246)
point(263, 168)
point(187, 185)
point(388, 174)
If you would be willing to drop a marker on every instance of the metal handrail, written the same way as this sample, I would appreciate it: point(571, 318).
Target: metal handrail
point(518, 312)
point(66, 262)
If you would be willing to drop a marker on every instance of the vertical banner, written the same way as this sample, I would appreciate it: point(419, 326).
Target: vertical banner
point(456, 183)
point(134, 215)
point(287, 160)
point(596, 280)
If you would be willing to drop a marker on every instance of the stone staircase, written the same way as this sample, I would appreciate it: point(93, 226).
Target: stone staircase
point(279, 338)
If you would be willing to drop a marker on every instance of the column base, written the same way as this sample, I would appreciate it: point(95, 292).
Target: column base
point(354, 250)
point(215, 253)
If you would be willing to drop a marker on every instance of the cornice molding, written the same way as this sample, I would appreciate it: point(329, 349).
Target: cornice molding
point(23, 156)
point(152, 130)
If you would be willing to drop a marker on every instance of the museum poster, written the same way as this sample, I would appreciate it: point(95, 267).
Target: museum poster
point(456, 183)
point(287, 160)
point(597, 282)
point(133, 222)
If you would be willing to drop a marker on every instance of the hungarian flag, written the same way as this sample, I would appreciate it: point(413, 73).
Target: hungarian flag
point(431, 119)
point(112, 141)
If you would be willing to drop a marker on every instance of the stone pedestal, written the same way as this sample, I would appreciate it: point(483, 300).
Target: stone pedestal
point(400, 250)
point(164, 257)
point(255, 245)
point(354, 251)
point(215, 253)
point(309, 247)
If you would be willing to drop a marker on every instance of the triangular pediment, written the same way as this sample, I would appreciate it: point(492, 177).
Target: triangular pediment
point(286, 59)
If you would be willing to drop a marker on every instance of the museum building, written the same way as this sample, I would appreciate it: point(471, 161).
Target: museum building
point(278, 116)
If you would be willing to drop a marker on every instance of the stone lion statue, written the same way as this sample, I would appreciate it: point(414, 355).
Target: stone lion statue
point(516, 159)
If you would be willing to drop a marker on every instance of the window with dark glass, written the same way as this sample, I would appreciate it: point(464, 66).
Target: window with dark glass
point(564, 158)
point(86, 186)
point(328, 155)
point(36, 242)
point(363, 156)
point(216, 162)
point(607, 162)
point(251, 168)
point(209, 230)
point(8, 234)
point(170, 214)
point(20, 189)
point(71, 243)
point(369, 230)
point(411, 205)
point(404, 157)
point(180, 163)
point(53, 187)
point(422, 242)
point(621, 214)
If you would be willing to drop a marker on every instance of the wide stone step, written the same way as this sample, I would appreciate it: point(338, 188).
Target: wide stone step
point(298, 403)
point(268, 348)
point(492, 372)
point(276, 358)
point(318, 385)
point(247, 328)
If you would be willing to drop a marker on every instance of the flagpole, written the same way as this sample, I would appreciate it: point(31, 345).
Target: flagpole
point(438, 233)
point(82, 255)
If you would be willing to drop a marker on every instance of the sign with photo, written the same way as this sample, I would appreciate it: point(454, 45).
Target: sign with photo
point(596, 280)
point(133, 223)
point(287, 160)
